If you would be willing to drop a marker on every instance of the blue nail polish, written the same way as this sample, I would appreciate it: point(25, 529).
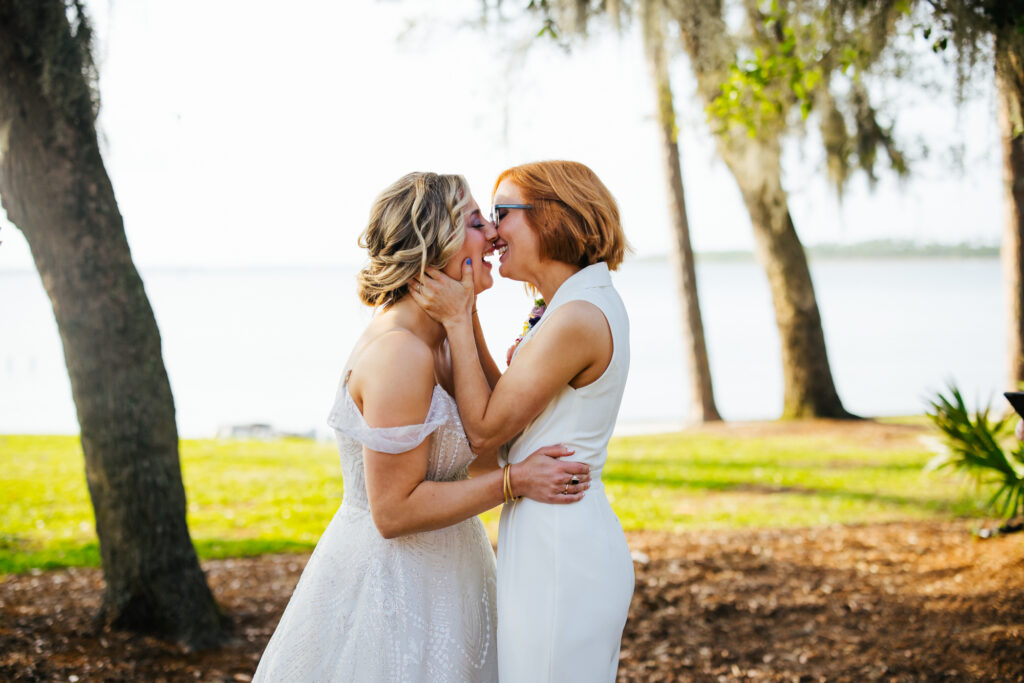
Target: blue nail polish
point(469, 261)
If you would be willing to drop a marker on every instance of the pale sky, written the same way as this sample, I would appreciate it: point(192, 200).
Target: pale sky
point(256, 133)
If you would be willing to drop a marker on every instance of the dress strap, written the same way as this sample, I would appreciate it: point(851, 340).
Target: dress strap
point(346, 419)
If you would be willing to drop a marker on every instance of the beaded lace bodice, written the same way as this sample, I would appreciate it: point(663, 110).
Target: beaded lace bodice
point(419, 607)
point(449, 456)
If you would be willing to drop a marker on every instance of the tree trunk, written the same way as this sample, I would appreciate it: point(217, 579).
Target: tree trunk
point(1010, 87)
point(755, 164)
point(56, 190)
point(809, 390)
point(702, 397)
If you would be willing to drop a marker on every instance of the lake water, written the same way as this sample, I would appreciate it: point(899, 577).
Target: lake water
point(267, 345)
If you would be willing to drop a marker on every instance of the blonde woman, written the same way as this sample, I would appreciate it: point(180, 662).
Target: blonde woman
point(565, 577)
point(401, 586)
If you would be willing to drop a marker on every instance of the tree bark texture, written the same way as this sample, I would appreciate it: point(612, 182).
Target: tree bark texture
point(809, 390)
point(1009, 68)
point(702, 398)
point(55, 188)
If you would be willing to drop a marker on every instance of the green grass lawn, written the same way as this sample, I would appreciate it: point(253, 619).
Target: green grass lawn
point(253, 497)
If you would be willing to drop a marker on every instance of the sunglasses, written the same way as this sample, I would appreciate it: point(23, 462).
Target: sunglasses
point(498, 209)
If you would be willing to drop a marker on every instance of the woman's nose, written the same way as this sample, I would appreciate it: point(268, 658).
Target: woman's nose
point(490, 231)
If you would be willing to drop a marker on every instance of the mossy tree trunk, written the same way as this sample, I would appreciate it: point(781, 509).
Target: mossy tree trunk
point(1009, 67)
point(55, 189)
point(702, 397)
point(809, 390)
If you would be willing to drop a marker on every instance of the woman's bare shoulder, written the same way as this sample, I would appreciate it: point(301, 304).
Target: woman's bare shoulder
point(578, 317)
point(393, 378)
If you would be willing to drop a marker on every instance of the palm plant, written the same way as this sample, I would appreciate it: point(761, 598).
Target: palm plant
point(973, 448)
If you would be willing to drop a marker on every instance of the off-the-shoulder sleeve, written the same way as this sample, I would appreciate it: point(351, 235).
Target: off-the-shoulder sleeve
point(346, 418)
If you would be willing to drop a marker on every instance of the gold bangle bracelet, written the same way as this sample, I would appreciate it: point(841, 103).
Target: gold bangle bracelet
point(504, 483)
point(510, 497)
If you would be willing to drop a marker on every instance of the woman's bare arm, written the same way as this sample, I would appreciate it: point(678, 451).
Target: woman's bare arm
point(574, 340)
point(569, 343)
point(490, 368)
point(393, 386)
point(484, 463)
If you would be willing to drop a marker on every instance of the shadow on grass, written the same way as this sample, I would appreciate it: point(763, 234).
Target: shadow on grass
point(211, 549)
point(18, 556)
point(955, 506)
point(21, 556)
point(824, 465)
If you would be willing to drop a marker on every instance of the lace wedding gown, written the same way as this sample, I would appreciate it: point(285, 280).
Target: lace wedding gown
point(415, 608)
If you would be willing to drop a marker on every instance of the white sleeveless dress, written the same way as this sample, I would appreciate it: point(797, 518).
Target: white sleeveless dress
point(565, 576)
point(414, 608)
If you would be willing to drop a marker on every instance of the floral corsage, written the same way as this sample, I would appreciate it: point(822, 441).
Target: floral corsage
point(535, 315)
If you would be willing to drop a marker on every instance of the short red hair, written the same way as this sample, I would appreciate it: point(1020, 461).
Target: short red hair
point(573, 214)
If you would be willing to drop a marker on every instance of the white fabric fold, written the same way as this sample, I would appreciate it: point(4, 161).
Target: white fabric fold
point(346, 418)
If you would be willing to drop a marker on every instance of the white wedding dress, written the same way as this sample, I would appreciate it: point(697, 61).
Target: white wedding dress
point(565, 576)
point(414, 608)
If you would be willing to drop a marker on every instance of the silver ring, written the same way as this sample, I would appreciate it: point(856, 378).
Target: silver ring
point(566, 491)
point(575, 480)
point(419, 287)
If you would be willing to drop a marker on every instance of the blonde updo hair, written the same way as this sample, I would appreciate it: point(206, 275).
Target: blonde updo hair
point(415, 223)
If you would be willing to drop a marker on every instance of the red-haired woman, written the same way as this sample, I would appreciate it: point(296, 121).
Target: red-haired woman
point(565, 577)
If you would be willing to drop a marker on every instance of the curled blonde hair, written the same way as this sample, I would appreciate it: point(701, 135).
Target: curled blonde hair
point(415, 223)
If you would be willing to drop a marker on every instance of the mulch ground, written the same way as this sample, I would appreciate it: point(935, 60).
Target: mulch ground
point(901, 602)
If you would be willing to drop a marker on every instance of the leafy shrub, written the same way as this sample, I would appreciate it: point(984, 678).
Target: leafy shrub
point(973, 447)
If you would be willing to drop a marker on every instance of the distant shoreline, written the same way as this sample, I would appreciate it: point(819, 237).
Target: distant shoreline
point(876, 249)
point(882, 249)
